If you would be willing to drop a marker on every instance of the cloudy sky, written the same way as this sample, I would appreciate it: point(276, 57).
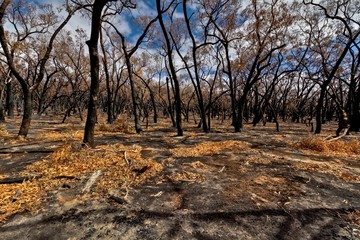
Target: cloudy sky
point(124, 21)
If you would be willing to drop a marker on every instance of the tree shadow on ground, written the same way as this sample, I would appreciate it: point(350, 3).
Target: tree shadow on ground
point(316, 223)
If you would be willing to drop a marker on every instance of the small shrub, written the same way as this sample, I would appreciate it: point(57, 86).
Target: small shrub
point(3, 131)
point(337, 146)
point(315, 144)
point(120, 125)
point(353, 146)
point(318, 144)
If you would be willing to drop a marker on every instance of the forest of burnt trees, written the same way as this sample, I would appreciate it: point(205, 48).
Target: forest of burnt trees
point(247, 61)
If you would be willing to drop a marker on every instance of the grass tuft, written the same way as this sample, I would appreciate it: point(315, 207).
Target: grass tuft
point(317, 144)
point(3, 131)
point(120, 125)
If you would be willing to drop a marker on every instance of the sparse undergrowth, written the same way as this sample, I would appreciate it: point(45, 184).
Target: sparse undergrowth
point(7, 138)
point(209, 148)
point(120, 125)
point(3, 131)
point(317, 144)
point(250, 172)
point(68, 165)
point(61, 136)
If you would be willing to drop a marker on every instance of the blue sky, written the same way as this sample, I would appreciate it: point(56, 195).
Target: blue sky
point(124, 21)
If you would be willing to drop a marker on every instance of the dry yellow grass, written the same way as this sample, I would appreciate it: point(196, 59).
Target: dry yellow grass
point(120, 125)
point(3, 131)
point(21, 197)
point(209, 148)
point(6, 137)
point(80, 164)
point(317, 144)
point(336, 169)
point(337, 147)
point(61, 136)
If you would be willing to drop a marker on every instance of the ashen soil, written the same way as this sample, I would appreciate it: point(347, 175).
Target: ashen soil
point(267, 189)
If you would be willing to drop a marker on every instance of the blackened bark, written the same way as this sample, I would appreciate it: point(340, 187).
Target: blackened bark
point(25, 124)
point(319, 109)
point(355, 118)
point(172, 71)
point(27, 114)
point(10, 106)
point(109, 108)
point(196, 73)
point(170, 108)
point(152, 96)
point(128, 54)
point(2, 114)
point(89, 130)
point(138, 128)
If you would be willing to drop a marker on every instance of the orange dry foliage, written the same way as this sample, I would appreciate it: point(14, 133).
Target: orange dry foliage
point(7, 138)
point(354, 217)
point(3, 131)
point(209, 148)
point(120, 125)
point(318, 144)
point(61, 136)
point(78, 165)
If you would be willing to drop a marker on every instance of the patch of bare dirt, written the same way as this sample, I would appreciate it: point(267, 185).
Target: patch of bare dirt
point(221, 185)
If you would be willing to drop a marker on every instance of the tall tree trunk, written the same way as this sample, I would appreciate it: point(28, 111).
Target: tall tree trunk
point(355, 118)
point(25, 124)
point(172, 70)
point(10, 106)
point(197, 78)
point(133, 95)
point(353, 102)
point(89, 130)
point(319, 109)
point(153, 102)
point(152, 97)
point(107, 79)
point(128, 54)
point(170, 109)
point(27, 114)
point(2, 113)
point(132, 86)
point(241, 107)
point(232, 85)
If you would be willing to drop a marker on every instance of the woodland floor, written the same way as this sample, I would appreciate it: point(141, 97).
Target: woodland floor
point(251, 185)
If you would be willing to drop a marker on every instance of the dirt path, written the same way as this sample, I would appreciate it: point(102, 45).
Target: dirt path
point(265, 190)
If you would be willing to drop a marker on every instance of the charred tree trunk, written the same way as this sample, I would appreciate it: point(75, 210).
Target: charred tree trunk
point(128, 54)
point(25, 124)
point(2, 113)
point(152, 97)
point(133, 96)
point(196, 73)
point(27, 114)
point(172, 71)
point(355, 116)
point(10, 106)
point(170, 108)
point(94, 63)
point(241, 108)
point(319, 110)
point(343, 122)
point(109, 109)
point(153, 102)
